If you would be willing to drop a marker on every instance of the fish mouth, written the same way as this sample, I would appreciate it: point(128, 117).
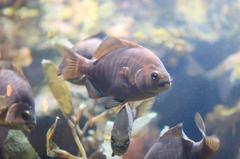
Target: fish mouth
point(165, 84)
point(120, 150)
point(28, 127)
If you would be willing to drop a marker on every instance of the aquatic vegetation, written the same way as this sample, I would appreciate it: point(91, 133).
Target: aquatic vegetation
point(16, 145)
point(223, 119)
point(230, 64)
point(58, 87)
point(103, 130)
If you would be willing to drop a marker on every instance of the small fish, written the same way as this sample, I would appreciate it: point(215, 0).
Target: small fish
point(17, 107)
point(121, 132)
point(174, 144)
point(120, 70)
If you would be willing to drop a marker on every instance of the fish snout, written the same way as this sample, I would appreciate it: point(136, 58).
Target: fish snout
point(30, 119)
point(119, 148)
point(164, 83)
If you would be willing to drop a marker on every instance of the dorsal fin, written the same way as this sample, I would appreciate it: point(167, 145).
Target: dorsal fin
point(174, 131)
point(112, 43)
point(99, 35)
point(200, 124)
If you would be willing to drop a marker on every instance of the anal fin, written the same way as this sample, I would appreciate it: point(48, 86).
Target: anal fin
point(127, 76)
point(93, 92)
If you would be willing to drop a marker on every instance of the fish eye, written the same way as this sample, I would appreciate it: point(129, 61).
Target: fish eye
point(26, 115)
point(154, 76)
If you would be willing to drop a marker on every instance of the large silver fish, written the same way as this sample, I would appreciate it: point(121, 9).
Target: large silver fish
point(120, 70)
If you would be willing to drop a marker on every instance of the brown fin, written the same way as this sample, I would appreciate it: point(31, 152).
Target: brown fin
point(92, 91)
point(70, 68)
point(200, 124)
point(174, 131)
point(111, 44)
point(213, 143)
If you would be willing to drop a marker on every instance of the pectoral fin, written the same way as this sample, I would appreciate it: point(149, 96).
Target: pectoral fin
point(93, 92)
point(127, 76)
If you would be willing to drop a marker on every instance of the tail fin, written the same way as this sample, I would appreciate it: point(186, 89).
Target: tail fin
point(73, 65)
point(212, 143)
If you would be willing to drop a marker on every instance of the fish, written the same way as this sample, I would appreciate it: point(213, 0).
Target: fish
point(17, 106)
point(174, 144)
point(120, 71)
point(121, 132)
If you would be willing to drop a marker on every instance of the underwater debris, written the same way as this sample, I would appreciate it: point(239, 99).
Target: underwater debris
point(174, 144)
point(18, 111)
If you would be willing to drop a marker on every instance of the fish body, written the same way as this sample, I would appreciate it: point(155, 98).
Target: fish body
point(120, 69)
point(17, 109)
point(174, 144)
point(121, 132)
